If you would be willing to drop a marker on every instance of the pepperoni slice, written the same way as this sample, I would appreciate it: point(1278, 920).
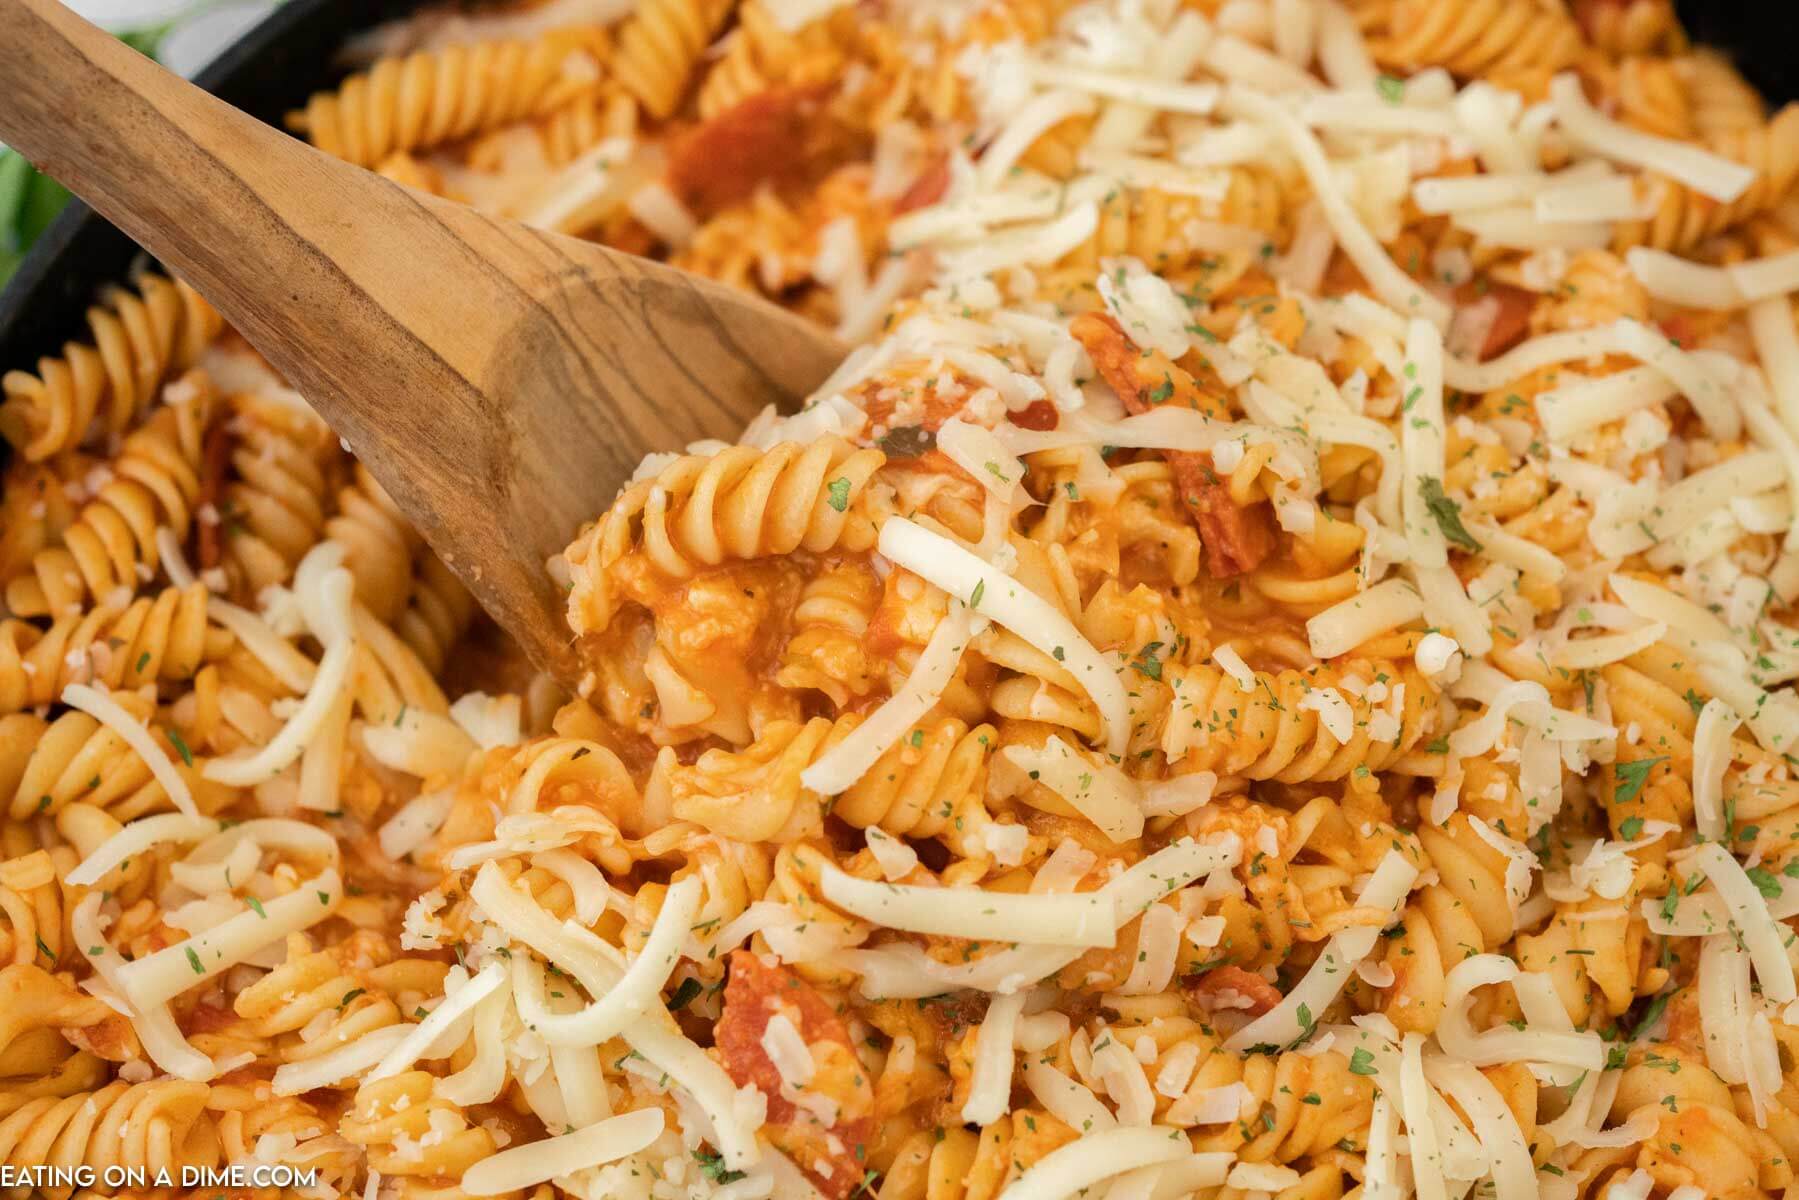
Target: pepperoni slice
point(1038, 414)
point(767, 137)
point(1236, 539)
point(826, 1124)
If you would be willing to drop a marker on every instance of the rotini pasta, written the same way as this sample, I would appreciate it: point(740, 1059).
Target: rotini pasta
point(140, 337)
point(432, 97)
point(153, 483)
point(1266, 672)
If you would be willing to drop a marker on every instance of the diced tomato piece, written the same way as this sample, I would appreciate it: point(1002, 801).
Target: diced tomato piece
point(834, 1152)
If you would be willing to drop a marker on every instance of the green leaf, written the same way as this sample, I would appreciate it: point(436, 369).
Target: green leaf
point(1632, 776)
point(187, 756)
point(837, 494)
point(1650, 1015)
point(148, 40)
point(1764, 882)
point(1361, 1062)
point(44, 199)
point(1391, 89)
point(15, 180)
point(685, 994)
point(712, 1166)
point(1447, 514)
point(1630, 827)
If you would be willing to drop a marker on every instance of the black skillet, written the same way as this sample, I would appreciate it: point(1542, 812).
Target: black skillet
point(277, 65)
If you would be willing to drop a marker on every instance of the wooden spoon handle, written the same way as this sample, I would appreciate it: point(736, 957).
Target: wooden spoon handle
point(409, 322)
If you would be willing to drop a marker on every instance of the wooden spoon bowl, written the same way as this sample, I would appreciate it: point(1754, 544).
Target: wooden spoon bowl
point(501, 382)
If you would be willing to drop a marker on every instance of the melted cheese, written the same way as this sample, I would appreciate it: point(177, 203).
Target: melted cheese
point(636, 992)
point(166, 973)
point(1070, 1102)
point(1096, 789)
point(1711, 758)
point(1296, 1015)
point(1071, 919)
point(990, 1083)
point(324, 592)
point(904, 971)
point(1348, 623)
point(104, 709)
point(1704, 172)
point(1456, 1033)
point(1587, 404)
point(541, 1161)
point(1513, 1173)
point(335, 1066)
point(136, 838)
point(976, 450)
point(847, 761)
point(1762, 935)
point(1073, 1168)
point(154, 1023)
point(598, 968)
point(1397, 289)
point(992, 593)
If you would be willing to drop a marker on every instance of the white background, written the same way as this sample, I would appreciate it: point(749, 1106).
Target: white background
point(202, 27)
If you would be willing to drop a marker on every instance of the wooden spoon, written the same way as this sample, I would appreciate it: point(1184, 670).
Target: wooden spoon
point(500, 382)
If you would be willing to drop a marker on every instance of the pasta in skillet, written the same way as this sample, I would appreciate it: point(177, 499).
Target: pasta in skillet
point(1267, 672)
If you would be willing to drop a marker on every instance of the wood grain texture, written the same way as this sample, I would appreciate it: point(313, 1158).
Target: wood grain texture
point(500, 381)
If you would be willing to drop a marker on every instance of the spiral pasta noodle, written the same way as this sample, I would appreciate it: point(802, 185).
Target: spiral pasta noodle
point(659, 47)
point(830, 623)
point(1269, 730)
point(1514, 43)
point(275, 498)
point(1680, 219)
point(140, 336)
point(1637, 27)
point(165, 637)
point(1155, 226)
point(1266, 671)
point(439, 614)
point(431, 97)
point(761, 55)
point(154, 1126)
point(154, 481)
point(700, 512)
